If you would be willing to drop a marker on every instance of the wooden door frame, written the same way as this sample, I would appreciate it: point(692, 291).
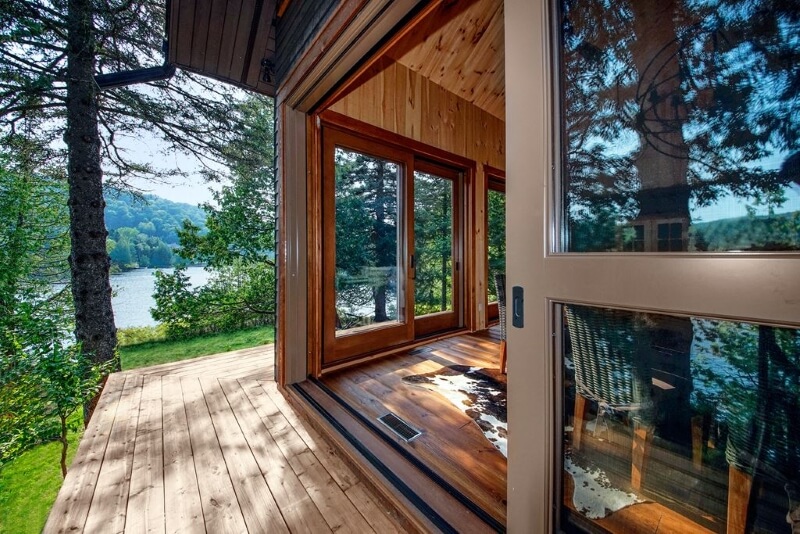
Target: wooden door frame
point(371, 136)
point(338, 348)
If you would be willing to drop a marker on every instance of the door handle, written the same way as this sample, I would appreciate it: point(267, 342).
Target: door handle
point(518, 307)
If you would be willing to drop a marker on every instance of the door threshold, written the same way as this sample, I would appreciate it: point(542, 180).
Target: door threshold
point(428, 501)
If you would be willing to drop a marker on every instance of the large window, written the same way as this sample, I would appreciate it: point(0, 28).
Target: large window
point(680, 132)
point(680, 126)
point(495, 232)
point(392, 246)
point(698, 418)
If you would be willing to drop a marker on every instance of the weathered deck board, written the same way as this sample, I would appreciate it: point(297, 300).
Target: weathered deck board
point(208, 445)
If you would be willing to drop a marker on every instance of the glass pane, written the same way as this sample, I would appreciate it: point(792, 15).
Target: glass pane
point(496, 245)
point(692, 420)
point(367, 240)
point(433, 243)
point(683, 118)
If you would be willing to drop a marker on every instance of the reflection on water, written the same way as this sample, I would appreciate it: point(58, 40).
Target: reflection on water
point(132, 295)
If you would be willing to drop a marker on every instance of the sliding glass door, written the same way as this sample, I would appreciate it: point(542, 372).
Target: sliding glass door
point(392, 252)
point(436, 269)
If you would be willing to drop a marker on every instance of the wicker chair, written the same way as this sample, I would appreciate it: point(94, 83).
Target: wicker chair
point(610, 357)
point(500, 285)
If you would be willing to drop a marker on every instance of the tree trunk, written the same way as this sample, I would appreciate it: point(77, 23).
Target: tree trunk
point(663, 159)
point(64, 446)
point(89, 262)
point(662, 164)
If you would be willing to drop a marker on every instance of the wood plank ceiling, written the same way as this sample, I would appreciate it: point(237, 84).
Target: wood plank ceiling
point(460, 47)
point(231, 40)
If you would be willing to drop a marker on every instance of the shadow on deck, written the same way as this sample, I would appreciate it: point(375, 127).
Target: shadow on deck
point(209, 445)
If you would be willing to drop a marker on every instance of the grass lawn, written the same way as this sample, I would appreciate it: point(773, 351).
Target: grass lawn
point(156, 352)
point(29, 485)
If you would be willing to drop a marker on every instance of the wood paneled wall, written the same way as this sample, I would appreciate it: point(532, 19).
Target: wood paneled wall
point(394, 98)
point(397, 99)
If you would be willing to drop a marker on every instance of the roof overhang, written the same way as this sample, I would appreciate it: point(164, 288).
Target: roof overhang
point(230, 40)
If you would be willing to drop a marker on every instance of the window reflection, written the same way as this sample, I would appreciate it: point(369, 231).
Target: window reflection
point(692, 420)
point(681, 125)
point(366, 240)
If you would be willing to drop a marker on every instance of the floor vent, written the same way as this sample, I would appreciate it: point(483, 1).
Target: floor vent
point(399, 427)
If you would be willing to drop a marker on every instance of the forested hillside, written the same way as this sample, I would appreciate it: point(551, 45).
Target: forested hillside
point(143, 231)
point(776, 232)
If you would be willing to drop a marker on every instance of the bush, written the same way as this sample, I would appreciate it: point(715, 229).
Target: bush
point(238, 296)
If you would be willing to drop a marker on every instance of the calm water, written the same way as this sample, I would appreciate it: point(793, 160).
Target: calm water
point(133, 294)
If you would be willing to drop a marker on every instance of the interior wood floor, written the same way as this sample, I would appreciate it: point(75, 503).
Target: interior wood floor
point(209, 445)
point(451, 444)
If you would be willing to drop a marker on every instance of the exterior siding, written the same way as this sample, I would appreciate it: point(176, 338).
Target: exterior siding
point(295, 30)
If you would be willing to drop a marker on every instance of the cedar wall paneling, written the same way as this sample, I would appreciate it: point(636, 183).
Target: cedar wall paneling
point(402, 101)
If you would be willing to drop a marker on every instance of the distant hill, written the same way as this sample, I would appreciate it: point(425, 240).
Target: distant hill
point(143, 231)
point(123, 210)
point(778, 232)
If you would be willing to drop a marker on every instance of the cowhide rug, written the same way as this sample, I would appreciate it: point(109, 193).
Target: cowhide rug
point(479, 393)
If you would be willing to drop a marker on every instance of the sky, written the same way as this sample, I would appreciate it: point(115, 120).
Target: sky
point(191, 189)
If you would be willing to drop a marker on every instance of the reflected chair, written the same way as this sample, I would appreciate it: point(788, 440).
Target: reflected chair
point(500, 285)
point(609, 353)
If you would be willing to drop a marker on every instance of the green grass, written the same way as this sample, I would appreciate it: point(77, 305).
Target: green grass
point(29, 485)
point(156, 352)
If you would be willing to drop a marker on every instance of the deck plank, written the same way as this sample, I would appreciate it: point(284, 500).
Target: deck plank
point(220, 508)
point(299, 511)
point(205, 446)
point(145, 512)
point(72, 505)
point(260, 511)
point(326, 493)
point(107, 511)
point(327, 454)
point(181, 492)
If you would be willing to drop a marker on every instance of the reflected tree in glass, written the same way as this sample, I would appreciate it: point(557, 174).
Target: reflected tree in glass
point(668, 108)
point(496, 237)
point(366, 239)
point(433, 243)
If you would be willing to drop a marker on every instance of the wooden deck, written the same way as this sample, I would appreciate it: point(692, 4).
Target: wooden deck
point(209, 445)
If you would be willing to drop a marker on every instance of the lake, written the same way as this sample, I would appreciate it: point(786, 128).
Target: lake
point(132, 295)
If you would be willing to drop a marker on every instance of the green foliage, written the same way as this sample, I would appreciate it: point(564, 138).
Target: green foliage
point(67, 380)
point(237, 296)
point(366, 235)
point(241, 227)
point(150, 215)
point(496, 239)
point(35, 315)
point(238, 246)
point(154, 353)
point(144, 229)
point(433, 244)
point(770, 232)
